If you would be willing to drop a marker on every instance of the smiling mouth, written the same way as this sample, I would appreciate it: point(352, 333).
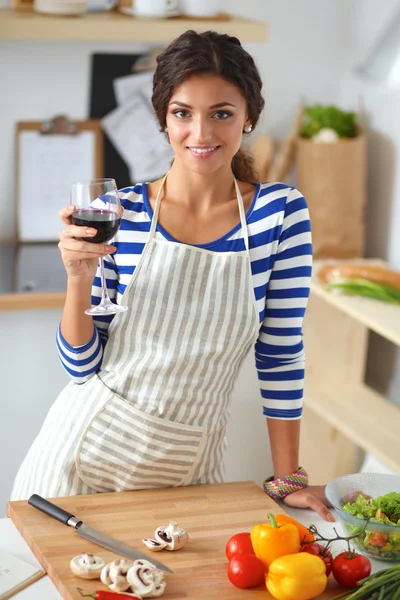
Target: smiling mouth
point(203, 150)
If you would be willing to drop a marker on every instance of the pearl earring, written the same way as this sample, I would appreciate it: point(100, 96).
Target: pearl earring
point(166, 130)
point(248, 128)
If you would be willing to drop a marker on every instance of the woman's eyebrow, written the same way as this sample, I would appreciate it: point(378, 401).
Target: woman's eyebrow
point(219, 105)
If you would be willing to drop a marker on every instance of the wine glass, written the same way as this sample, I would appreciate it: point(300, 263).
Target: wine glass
point(97, 205)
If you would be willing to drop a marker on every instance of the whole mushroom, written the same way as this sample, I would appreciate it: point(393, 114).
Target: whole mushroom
point(145, 579)
point(87, 566)
point(169, 537)
point(172, 536)
point(114, 575)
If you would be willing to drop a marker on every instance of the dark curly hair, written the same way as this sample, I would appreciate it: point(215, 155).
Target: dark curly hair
point(215, 54)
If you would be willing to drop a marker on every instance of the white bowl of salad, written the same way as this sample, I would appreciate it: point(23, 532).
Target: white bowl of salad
point(369, 504)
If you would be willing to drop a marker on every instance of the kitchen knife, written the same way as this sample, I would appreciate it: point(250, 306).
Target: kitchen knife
point(87, 532)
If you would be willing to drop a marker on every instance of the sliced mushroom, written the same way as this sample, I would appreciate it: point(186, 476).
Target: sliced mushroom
point(114, 575)
point(172, 536)
point(153, 545)
point(87, 566)
point(146, 580)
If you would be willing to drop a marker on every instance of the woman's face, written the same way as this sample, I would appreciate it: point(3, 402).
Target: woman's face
point(205, 119)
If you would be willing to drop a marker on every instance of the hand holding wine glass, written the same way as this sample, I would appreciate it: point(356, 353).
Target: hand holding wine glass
point(93, 220)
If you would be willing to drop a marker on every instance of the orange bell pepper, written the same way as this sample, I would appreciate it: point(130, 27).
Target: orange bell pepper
point(271, 540)
point(305, 535)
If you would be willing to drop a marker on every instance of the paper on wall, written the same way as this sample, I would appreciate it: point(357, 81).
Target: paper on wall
point(48, 165)
point(126, 87)
point(134, 131)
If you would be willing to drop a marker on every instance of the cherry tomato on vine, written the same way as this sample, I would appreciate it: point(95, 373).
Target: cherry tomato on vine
point(350, 567)
point(240, 543)
point(246, 571)
point(322, 552)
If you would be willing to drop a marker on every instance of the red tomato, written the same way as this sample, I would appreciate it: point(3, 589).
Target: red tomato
point(239, 544)
point(319, 550)
point(246, 571)
point(350, 567)
point(376, 539)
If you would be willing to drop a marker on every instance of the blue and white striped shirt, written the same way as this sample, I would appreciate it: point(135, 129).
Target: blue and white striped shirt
point(281, 260)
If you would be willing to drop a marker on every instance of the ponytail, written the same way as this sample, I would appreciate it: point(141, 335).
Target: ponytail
point(243, 167)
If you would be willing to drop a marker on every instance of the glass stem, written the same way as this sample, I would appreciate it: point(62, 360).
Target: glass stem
point(104, 294)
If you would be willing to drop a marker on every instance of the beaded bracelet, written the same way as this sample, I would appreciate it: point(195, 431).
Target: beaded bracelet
point(280, 488)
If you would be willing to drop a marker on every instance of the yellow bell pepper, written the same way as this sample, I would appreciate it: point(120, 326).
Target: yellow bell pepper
point(271, 540)
point(296, 577)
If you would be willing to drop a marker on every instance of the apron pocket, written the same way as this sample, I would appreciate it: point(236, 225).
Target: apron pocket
point(123, 448)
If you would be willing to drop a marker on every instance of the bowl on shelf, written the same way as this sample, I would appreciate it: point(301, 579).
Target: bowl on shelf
point(376, 540)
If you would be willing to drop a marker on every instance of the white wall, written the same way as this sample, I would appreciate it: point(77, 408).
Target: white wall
point(304, 57)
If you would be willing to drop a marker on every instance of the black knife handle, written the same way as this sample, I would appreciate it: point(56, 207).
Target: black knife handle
point(53, 510)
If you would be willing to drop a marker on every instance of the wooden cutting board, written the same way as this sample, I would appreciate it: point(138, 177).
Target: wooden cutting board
point(210, 513)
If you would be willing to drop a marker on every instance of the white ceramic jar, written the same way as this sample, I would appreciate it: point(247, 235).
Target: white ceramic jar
point(200, 8)
point(155, 9)
point(60, 7)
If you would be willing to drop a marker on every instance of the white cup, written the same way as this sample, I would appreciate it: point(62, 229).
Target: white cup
point(155, 9)
point(200, 8)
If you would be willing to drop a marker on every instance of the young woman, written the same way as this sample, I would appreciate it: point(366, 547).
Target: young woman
point(210, 264)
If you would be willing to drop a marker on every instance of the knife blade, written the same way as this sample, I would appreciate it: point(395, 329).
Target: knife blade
point(91, 534)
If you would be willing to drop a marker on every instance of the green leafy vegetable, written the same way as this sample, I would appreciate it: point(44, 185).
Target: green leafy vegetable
point(318, 116)
point(384, 509)
point(367, 289)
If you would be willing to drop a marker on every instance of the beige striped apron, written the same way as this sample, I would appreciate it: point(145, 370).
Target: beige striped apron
point(155, 415)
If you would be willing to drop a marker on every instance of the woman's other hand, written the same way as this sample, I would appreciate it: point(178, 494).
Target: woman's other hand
point(312, 496)
point(80, 258)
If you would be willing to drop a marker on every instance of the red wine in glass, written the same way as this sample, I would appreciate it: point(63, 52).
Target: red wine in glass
point(97, 205)
point(105, 221)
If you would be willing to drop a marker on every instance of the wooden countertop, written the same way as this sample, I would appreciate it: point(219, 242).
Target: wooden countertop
point(210, 513)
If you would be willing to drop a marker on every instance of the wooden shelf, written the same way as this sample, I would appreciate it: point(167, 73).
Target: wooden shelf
point(32, 301)
point(378, 316)
point(361, 414)
point(114, 26)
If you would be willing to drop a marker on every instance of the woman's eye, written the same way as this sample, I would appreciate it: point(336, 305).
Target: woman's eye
point(222, 115)
point(181, 114)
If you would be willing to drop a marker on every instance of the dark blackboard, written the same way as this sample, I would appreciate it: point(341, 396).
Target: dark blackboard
point(104, 69)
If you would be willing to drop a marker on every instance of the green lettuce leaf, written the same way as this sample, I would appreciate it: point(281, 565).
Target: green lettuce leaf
point(383, 509)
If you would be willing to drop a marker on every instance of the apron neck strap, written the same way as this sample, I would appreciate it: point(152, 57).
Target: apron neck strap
point(157, 207)
point(240, 206)
point(242, 215)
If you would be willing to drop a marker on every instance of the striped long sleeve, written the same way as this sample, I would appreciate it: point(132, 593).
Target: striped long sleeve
point(82, 362)
point(279, 349)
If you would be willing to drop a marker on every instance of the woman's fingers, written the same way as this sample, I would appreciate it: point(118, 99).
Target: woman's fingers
point(311, 497)
point(75, 231)
point(83, 249)
point(320, 508)
point(65, 214)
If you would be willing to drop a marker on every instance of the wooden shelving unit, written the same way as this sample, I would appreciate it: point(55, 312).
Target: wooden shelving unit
point(380, 317)
point(361, 414)
point(344, 416)
point(114, 26)
point(34, 301)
